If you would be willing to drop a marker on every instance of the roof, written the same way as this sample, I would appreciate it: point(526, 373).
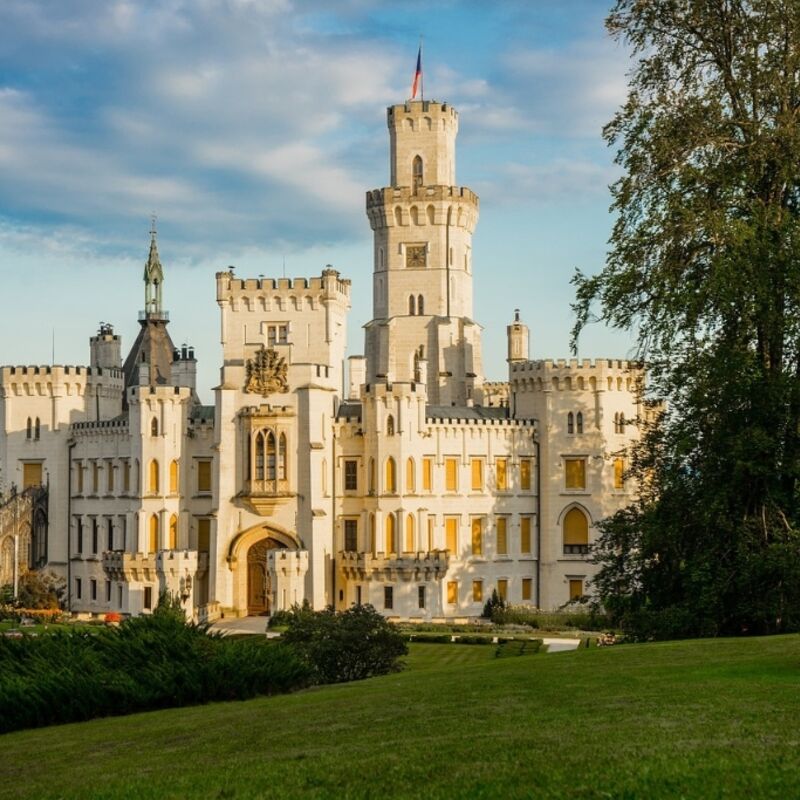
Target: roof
point(349, 410)
point(202, 414)
point(466, 412)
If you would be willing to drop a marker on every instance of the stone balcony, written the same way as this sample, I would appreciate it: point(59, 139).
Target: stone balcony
point(147, 567)
point(418, 566)
point(266, 495)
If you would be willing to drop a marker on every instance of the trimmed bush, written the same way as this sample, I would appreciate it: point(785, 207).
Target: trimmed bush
point(148, 662)
point(344, 646)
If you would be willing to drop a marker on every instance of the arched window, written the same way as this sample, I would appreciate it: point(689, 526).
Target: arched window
point(173, 477)
point(153, 543)
point(410, 476)
point(619, 473)
point(391, 476)
point(416, 170)
point(411, 305)
point(173, 532)
point(37, 429)
point(391, 534)
point(372, 543)
point(259, 456)
point(282, 457)
point(154, 427)
point(30, 428)
point(390, 425)
point(372, 476)
point(153, 477)
point(409, 534)
point(270, 456)
point(621, 423)
point(576, 532)
point(579, 422)
point(420, 305)
point(570, 423)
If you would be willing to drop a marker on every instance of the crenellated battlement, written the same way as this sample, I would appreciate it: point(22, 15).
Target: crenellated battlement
point(455, 206)
point(285, 292)
point(115, 425)
point(422, 114)
point(388, 195)
point(573, 374)
point(46, 380)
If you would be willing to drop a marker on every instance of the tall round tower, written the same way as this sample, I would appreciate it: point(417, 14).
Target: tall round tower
point(422, 280)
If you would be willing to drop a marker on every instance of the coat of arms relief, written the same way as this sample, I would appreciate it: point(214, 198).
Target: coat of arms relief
point(266, 373)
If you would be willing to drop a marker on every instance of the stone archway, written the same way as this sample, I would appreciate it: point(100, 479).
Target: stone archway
point(247, 559)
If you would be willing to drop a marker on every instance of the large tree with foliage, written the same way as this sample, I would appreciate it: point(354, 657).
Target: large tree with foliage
point(704, 265)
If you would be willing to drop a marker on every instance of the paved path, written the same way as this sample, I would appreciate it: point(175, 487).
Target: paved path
point(254, 625)
point(258, 625)
point(561, 645)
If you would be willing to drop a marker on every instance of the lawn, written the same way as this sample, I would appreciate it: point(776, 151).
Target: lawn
point(692, 719)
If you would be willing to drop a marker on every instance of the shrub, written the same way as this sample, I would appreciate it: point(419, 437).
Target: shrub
point(344, 646)
point(494, 604)
point(148, 662)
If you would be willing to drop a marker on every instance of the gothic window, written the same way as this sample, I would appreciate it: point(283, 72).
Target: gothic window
point(570, 423)
point(259, 456)
point(391, 535)
point(391, 476)
point(173, 477)
point(420, 306)
point(390, 425)
point(154, 427)
point(372, 542)
point(30, 428)
point(576, 532)
point(372, 476)
point(411, 305)
point(579, 422)
point(619, 473)
point(410, 482)
point(282, 457)
point(409, 534)
point(270, 456)
point(153, 543)
point(153, 475)
point(173, 532)
point(417, 172)
point(37, 429)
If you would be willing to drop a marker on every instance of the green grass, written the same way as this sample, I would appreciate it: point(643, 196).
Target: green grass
point(678, 719)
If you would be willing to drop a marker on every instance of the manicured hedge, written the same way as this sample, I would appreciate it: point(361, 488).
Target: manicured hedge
point(147, 662)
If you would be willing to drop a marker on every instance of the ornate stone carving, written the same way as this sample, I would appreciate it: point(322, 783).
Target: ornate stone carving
point(266, 373)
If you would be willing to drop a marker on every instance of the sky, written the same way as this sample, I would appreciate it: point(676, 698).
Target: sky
point(253, 129)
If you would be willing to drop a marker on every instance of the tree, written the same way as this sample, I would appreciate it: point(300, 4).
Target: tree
point(704, 265)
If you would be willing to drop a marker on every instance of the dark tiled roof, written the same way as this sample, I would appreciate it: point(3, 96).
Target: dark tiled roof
point(349, 410)
point(202, 413)
point(466, 412)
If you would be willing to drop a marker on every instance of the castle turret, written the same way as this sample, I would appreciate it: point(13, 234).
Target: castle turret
point(518, 337)
point(105, 348)
point(422, 284)
point(153, 347)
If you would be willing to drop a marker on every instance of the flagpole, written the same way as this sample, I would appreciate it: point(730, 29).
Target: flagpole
point(422, 73)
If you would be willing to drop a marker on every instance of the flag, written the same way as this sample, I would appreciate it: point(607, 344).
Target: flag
point(417, 74)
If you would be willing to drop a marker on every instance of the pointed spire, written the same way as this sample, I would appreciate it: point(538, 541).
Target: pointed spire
point(153, 275)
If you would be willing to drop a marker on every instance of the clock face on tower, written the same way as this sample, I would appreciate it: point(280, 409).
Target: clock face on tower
point(416, 255)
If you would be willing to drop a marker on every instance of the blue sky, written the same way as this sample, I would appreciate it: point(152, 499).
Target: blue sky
point(253, 128)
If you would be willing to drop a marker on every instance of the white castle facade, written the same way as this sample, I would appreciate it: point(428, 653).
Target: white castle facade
point(404, 480)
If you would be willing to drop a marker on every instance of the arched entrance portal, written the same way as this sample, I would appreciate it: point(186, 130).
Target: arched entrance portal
point(259, 590)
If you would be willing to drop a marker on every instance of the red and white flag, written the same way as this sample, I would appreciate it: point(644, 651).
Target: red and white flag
point(415, 84)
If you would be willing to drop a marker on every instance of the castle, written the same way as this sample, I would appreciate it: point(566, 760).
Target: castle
point(403, 480)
